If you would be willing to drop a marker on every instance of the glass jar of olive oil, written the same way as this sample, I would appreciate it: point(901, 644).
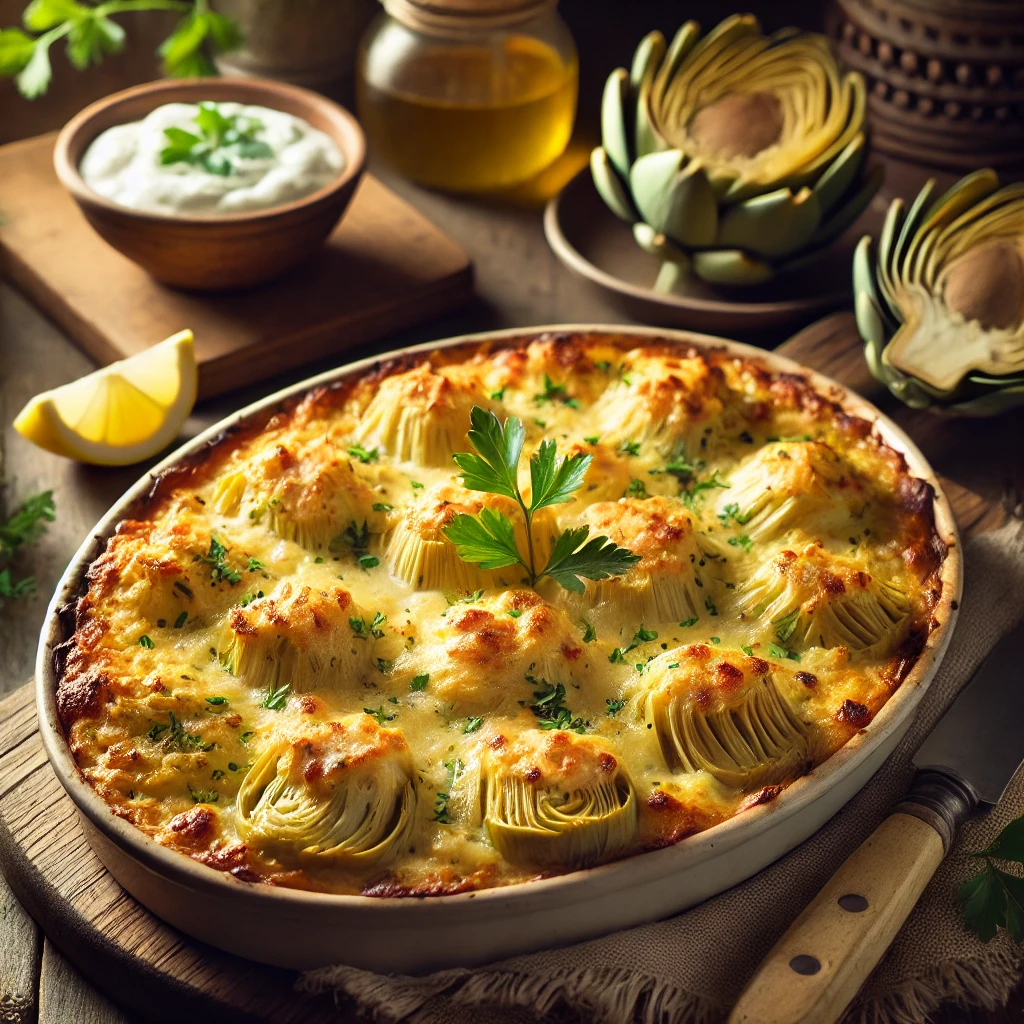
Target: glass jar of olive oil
point(468, 95)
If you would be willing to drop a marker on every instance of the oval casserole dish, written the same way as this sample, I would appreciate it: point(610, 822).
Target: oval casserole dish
point(302, 929)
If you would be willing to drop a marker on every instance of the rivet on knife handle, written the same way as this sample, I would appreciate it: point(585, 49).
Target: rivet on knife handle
point(816, 968)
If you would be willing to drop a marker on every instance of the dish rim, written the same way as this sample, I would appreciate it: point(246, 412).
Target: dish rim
point(174, 866)
point(353, 148)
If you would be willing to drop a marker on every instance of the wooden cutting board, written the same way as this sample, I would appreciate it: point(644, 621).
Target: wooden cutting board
point(155, 970)
point(385, 267)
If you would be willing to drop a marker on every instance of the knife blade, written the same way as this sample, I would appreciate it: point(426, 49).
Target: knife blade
point(967, 760)
point(978, 741)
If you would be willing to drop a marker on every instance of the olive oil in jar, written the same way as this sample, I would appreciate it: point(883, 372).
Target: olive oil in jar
point(469, 114)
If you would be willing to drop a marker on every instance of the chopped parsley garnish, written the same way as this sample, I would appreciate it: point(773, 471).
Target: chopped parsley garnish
point(219, 569)
point(630, 448)
point(203, 796)
point(277, 697)
point(689, 622)
point(353, 536)
point(613, 707)
point(775, 651)
point(716, 639)
point(419, 682)
point(441, 803)
point(732, 511)
point(603, 365)
point(699, 488)
point(364, 455)
point(144, 641)
point(369, 561)
point(255, 565)
point(497, 396)
point(380, 714)
point(181, 620)
point(555, 393)
point(382, 506)
point(589, 633)
point(177, 736)
point(748, 651)
point(710, 606)
point(362, 631)
point(636, 489)
point(384, 666)
point(641, 636)
point(593, 439)
point(249, 598)
point(216, 701)
point(549, 707)
point(515, 613)
point(742, 541)
point(416, 485)
point(472, 724)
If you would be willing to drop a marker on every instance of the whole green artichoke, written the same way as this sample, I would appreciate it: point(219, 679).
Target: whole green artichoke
point(736, 156)
point(940, 305)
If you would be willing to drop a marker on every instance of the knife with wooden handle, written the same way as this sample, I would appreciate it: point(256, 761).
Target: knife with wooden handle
point(819, 964)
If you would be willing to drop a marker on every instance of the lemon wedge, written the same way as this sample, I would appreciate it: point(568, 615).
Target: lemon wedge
point(123, 413)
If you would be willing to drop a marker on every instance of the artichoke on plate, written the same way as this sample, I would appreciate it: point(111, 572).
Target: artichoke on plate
point(940, 300)
point(735, 156)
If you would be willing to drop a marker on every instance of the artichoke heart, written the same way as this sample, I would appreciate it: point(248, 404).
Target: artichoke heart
point(816, 599)
point(417, 551)
point(482, 656)
point(644, 407)
point(306, 494)
point(329, 791)
point(298, 636)
point(740, 154)
point(940, 305)
point(790, 483)
point(558, 800)
point(726, 714)
point(668, 584)
point(422, 415)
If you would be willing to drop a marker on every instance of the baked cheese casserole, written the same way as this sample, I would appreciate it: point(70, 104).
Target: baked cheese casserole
point(284, 666)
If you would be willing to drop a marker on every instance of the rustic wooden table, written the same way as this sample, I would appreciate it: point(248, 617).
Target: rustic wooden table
point(518, 282)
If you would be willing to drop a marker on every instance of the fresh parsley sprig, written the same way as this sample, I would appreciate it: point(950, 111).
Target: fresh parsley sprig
point(220, 138)
point(91, 35)
point(488, 539)
point(23, 528)
point(994, 898)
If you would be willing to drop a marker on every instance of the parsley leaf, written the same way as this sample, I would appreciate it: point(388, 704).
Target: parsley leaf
point(380, 714)
point(487, 539)
point(732, 511)
point(357, 451)
point(472, 724)
point(554, 480)
point(277, 697)
point(215, 559)
point(995, 898)
point(574, 558)
point(699, 487)
point(494, 467)
point(742, 541)
point(220, 138)
point(362, 631)
point(775, 651)
point(455, 769)
point(613, 707)
point(555, 393)
point(589, 633)
point(636, 489)
point(419, 682)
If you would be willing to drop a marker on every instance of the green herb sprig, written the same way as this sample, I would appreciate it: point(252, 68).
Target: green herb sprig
point(549, 707)
point(488, 539)
point(220, 139)
point(91, 35)
point(20, 531)
point(994, 898)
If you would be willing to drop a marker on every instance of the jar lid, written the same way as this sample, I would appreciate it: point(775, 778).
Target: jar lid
point(449, 15)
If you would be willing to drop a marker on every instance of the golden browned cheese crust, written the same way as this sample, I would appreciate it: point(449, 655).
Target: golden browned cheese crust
point(280, 667)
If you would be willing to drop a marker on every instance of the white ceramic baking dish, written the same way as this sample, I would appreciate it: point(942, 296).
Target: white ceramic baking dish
point(292, 928)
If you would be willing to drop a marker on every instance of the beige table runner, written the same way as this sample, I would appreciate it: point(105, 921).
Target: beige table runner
point(690, 969)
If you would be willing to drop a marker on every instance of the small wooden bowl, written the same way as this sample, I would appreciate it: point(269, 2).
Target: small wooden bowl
point(215, 252)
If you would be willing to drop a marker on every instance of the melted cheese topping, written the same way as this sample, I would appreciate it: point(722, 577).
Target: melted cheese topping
point(282, 668)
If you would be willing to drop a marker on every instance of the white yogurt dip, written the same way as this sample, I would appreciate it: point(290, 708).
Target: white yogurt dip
point(123, 164)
